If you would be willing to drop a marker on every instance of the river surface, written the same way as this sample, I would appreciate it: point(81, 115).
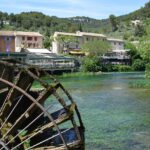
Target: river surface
point(116, 117)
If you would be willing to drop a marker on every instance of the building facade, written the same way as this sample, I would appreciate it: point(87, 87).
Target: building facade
point(79, 39)
point(116, 44)
point(7, 42)
point(117, 57)
point(13, 41)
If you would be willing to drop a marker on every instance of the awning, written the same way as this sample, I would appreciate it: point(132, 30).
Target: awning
point(77, 53)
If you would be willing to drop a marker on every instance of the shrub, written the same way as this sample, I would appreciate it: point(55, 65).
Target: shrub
point(147, 72)
point(107, 68)
point(124, 68)
point(138, 65)
point(91, 64)
point(119, 68)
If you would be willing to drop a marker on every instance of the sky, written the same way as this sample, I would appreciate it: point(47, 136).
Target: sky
point(98, 9)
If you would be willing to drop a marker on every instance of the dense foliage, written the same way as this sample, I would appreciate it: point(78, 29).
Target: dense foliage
point(91, 64)
point(94, 51)
point(138, 65)
point(36, 21)
point(116, 68)
point(96, 48)
point(133, 53)
point(144, 49)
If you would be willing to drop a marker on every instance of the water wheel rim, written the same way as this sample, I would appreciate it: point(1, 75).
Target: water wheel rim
point(43, 110)
point(39, 105)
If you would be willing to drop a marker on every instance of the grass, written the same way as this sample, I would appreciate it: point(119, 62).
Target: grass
point(142, 83)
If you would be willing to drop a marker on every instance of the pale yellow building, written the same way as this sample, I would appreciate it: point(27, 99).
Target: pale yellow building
point(81, 38)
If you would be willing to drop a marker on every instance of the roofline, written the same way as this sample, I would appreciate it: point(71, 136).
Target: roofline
point(65, 33)
point(118, 40)
point(19, 33)
point(80, 34)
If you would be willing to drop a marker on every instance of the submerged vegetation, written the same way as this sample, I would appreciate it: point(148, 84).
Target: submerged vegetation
point(142, 83)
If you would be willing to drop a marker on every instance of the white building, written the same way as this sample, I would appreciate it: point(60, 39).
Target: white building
point(79, 39)
point(136, 22)
point(116, 44)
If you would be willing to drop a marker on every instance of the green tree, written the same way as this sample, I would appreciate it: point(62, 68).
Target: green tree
point(114, 22)
point(80, 27)
point(26, 24)
point(47, 42)
point(91, 64)
point(138, 65)
point(96, 48)
point(12, 19)
point(133, 52)
point(144, 49)
point(1, 23)
point(140, 30)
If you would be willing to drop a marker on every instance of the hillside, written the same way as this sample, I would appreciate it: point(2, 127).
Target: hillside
point(37, 21)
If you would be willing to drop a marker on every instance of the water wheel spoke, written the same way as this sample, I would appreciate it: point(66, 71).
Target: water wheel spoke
point(59, 117)
point(22, 81)
point(13, 109)
point(32, 108)
point(25, 124)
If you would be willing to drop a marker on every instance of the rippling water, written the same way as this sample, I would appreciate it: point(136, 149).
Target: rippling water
point(116, 117)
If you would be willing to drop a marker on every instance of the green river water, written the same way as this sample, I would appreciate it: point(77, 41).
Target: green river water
point(116, 117)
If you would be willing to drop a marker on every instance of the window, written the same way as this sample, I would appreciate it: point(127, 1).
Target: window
point(7, 39)
point(23, 38)
point(35, 38)
point(29, 38)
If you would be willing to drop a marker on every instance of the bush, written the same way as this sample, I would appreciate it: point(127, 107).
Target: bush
point(147, 72)
point(138, 65)
point(107, 68)
point(143, 83)
point(91, 64)
point(116, 68)
point(124, 68)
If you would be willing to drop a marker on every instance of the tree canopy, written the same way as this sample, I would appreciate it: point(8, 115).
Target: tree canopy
point(114, 22)
point(96, 48)
point(145, 54)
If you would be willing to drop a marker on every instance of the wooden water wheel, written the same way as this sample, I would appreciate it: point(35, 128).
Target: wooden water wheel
point(41, 118)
